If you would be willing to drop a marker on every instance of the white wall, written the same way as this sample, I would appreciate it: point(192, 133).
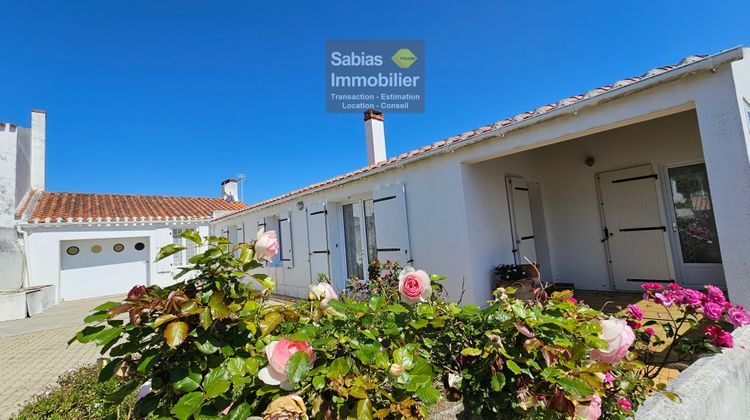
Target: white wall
point(434, 203)
point(725, 131)
point(44, 247)
point(10, 254)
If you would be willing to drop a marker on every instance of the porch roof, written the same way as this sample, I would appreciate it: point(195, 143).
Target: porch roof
point(654, 75)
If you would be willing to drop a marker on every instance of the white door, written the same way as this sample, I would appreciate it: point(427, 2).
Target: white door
point(634, 230)
point(360, 244)
point(693, 227)
point(317, 237)
point(522, 226)
point(102, 267)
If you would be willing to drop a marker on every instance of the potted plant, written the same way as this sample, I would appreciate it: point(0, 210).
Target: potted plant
point(523, 277)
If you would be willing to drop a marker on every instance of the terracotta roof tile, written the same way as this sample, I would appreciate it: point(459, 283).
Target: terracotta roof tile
point(26, 202)
point(75, 206)
point(502, 123)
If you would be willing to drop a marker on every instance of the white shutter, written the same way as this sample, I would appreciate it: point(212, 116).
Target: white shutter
point(317, 236)
point(524, 244)
point(232, 234)
point(163, 238)
point(285, 238)
point(391, 224)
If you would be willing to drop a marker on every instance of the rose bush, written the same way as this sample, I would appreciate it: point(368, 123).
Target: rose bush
point(215, 345)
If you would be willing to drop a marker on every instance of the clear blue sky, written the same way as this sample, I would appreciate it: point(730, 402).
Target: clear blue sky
point(171, 97)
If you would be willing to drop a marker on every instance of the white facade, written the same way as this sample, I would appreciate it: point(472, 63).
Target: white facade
point(97, 268)
point(449, 211)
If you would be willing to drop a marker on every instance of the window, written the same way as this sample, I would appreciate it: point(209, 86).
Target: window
point(181, 258)
point(119, 247)
point(360, 245)
point(72, 250)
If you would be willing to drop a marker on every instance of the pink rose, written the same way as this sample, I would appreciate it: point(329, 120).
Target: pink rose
point(414, 285)
point(619, 336)
point(738, 316)
point(590, 411)
point(650, 331)
point(712, 310)
point(715, 295)
point(719, 337)
point(278, 354)
point(635, 312)
point(266, 245)
point(608, 378)
point(323, 291)
point(652, 287)
point(687, 297)
point(625, 403)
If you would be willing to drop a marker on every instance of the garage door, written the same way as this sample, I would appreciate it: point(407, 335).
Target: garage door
point(101, 267)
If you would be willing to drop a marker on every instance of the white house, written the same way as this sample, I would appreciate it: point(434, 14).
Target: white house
point(647, 179)
point(61, 246)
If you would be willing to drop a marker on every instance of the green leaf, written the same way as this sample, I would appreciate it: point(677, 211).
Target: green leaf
point(403, 357)
point(298, 366)
point(672, 396)
point(106, 306)
point(428, 394)
point(471, 351)
point(107, 335)
point(146, 363)
point(205, 318)
point(187, 405)
point(192, 236)
point(109, 370)
point(364, 409)
point(376, 302)
point(418, 324)
point(219, 309)
point(265, 281)
point(216, 382)
point(241, 412)
point(99, 316)
point(339, 367)
point(206, 347)
point(269, 322)
point(319, 382)
point(175, 333)
point(435, 277)
point(87, 334)
point(513, 366)
point(185, 379)
point(236, 367)
point(575, 386)
point(168, 250)
point(396, 308)
point(122, 392)
point(595, 342)
point(498, 381)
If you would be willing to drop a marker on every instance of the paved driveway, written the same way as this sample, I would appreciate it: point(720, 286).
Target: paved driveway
point(34, 351)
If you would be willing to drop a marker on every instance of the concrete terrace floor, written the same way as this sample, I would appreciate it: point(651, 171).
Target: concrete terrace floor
point(34, 351)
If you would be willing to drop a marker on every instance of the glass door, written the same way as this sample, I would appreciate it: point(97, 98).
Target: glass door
point(697, 254)
point(360, 246)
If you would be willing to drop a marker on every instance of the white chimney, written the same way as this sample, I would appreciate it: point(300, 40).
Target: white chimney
point(375, 135)
point(229, 190)
point(38, 146)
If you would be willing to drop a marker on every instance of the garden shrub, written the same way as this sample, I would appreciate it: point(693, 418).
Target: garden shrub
point(214, 345)
point(79, 396)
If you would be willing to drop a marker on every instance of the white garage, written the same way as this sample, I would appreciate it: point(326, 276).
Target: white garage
point(100, 267)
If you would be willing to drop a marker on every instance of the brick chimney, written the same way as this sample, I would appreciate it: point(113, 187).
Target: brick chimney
point(229, 190)
point(375, 136)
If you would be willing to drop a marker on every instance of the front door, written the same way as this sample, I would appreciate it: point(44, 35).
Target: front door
point(693, 227)
point(360, 246)
point(634, 230)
